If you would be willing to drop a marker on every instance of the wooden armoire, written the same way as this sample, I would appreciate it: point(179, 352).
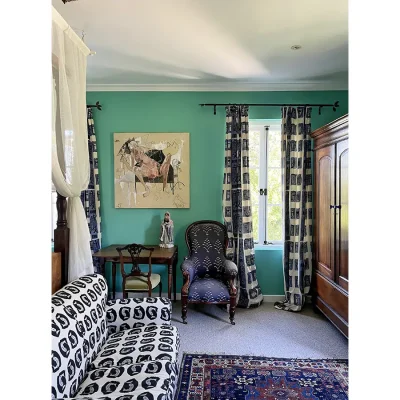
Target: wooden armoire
point(331, 267)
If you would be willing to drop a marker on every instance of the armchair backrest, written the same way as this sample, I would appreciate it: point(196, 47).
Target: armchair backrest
point(207, 242)
point(130, 255)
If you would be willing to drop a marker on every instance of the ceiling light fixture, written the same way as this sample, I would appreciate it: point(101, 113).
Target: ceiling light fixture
point(296, 47)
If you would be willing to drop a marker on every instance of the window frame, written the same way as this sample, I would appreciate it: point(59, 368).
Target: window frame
point(260, 126)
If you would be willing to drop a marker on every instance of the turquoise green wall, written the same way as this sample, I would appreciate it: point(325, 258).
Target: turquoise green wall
point(180, 112)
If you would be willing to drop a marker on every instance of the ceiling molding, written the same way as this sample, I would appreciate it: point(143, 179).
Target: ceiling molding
point(218, 87)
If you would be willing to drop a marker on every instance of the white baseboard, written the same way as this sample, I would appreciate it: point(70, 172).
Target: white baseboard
point(269, 298)
point(272, 298)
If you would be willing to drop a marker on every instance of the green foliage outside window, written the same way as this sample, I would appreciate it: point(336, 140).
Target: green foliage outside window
point(274, 197)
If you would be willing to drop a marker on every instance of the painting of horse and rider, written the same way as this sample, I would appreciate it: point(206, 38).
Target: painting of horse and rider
point(151, 170)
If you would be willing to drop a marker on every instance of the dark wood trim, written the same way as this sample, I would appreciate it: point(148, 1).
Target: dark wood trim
point(331, 133)
point(61, 236)
point(336, 320)
point(332, 127)
point(333, 295)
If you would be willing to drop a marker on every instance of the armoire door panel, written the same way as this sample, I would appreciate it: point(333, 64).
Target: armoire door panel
point(325, 212)
point(342, 214)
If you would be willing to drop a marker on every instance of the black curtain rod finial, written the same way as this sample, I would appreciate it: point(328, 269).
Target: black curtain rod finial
point(97, 105)
point(335, 105)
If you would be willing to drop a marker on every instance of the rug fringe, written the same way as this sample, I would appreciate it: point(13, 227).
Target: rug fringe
point(257, 355)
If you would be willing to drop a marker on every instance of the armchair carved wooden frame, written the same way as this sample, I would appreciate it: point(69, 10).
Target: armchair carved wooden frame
point(150, 280)
point(208, 276)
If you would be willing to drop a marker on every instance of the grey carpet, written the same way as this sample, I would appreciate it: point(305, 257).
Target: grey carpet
point(262, 331)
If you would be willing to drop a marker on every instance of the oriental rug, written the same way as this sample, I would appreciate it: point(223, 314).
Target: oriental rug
point(223, 377)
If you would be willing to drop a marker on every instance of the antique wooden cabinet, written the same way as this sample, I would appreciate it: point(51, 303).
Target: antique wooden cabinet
point(331, 267)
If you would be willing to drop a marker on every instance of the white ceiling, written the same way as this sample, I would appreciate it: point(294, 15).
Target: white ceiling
point(212, 44)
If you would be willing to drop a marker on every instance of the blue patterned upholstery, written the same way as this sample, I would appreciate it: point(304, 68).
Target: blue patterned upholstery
point(208, 290)
point(206, 244)
point(208, 275)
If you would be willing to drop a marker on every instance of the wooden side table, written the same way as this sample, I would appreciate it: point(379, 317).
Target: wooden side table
point(160, 255)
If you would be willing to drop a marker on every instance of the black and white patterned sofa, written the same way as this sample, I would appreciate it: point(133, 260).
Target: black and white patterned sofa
point(123, 349)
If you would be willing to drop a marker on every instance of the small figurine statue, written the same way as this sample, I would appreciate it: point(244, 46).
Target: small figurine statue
point(167, 232)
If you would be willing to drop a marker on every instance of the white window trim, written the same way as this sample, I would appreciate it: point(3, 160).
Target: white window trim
point(260, 125)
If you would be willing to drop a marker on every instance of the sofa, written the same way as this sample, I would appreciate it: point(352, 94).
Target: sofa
point(124, 349)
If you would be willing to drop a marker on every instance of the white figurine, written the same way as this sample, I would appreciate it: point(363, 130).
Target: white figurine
point(167, 232)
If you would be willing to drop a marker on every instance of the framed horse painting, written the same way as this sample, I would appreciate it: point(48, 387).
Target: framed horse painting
point(151, 170)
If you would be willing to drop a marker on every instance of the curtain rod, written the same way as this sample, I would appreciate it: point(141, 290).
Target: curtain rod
point(334, 105)
point(97, 105)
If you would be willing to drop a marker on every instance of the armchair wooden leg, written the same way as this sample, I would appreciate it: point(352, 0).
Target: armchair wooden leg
point(232, 308)
point(160, 288)
point(184, 307)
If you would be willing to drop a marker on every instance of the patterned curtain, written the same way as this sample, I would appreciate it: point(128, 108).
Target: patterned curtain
point(297, 206)
point(91, 197)
point(237, 205)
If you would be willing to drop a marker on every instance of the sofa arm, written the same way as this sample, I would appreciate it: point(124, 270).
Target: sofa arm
point(131, 313)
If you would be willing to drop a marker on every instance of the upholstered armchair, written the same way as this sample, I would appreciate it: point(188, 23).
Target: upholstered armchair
point(208, 277)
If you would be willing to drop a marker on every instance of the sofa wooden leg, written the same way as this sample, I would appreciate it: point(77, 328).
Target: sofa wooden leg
point(184, 308)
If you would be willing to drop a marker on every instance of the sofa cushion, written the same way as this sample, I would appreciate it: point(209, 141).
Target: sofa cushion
point(208, 290)
point(155, 380)
point(136, 312)
point(148, 343)
point(140, 282)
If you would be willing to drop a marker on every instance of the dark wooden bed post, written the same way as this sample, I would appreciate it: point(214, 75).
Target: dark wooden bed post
point(61, 236)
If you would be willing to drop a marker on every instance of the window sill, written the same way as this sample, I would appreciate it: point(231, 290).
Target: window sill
point(258, 247)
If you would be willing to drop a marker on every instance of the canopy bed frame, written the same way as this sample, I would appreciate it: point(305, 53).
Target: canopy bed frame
point(61, 242)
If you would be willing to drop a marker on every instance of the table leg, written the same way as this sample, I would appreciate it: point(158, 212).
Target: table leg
point(114, 273)
point(169, 278)
point(174, 273)
point(103, 267)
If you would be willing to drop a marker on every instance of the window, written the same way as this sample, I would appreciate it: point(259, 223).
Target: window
point(266, 173)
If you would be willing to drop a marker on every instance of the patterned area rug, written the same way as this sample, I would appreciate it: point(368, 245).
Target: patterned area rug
point(223, 377)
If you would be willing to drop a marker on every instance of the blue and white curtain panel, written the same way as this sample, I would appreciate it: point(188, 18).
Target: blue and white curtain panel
point(91, 197)
point(297, 206)
point(237, 205)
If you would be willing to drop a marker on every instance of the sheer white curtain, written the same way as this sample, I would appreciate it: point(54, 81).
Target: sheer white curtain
point(70, 157)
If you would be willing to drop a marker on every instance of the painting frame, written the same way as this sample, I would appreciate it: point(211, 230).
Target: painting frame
point(151, 169)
